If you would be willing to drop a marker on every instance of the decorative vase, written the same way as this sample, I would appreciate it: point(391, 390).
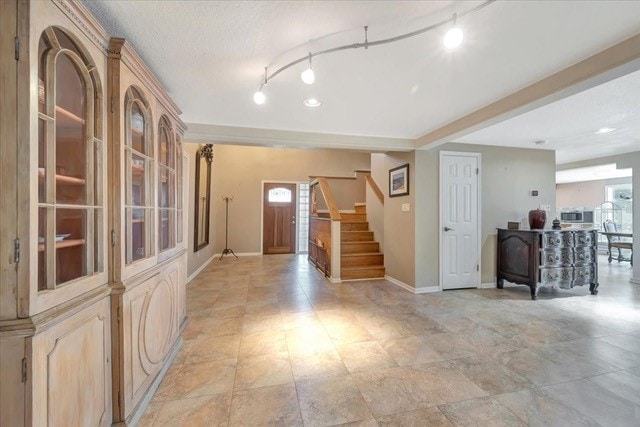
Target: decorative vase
point(537, 219)
point(556, 225)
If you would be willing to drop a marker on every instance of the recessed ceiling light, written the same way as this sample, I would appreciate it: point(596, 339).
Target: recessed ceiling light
point(540, 142)
point(605, 130)
point(312, 102)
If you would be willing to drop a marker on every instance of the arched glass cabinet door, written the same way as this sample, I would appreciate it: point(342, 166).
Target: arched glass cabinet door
point(70, 162)
point(166, 185)
point(138, 154)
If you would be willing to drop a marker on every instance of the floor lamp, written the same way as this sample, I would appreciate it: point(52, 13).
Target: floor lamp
point(227, 250)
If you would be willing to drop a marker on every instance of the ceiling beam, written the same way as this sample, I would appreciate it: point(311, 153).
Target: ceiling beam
point(235, 135)
point(616, 61)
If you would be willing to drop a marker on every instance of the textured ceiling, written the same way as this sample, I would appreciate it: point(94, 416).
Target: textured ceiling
point(210, 56)
point(569, 125)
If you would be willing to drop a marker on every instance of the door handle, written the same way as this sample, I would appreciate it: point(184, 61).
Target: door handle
point(449, 229)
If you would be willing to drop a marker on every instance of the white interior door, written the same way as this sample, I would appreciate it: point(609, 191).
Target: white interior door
point(459, 220)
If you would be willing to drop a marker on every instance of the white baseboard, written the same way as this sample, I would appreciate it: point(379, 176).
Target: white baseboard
point(202, 267)
point(634, 281)
point(335, 279)
point(489, 285)
point(420, 290)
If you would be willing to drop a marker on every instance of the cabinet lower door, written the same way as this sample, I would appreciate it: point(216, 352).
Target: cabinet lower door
point(71, 370)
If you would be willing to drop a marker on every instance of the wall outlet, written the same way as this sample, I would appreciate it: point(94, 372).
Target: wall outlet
point(546, 208)
point(406, 207)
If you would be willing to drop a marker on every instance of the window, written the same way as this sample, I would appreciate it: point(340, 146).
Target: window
point(279, 195)
point(166, 185)
point(138, 176)
point(70, 161)
point(303, 218)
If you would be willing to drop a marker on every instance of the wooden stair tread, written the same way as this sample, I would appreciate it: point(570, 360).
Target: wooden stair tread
point(362, 254)
point(362, 267)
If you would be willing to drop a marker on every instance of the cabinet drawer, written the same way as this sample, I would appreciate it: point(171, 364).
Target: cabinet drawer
point(584, 238)
point(556, 257)
point(584, 256)
point(583, 275)
point(551, 240)
point(557, 276)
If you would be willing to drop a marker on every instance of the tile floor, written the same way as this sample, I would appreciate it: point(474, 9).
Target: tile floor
point(269, 341)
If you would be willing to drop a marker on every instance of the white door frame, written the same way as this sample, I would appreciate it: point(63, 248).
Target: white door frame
point(479, 212)
point(278, 181)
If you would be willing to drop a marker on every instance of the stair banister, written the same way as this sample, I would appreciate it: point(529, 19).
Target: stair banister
point(374, 187)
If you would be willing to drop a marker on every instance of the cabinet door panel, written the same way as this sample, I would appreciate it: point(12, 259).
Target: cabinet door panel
point(72, 372)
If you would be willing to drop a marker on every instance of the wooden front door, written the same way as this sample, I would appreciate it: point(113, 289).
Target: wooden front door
point(279, 220)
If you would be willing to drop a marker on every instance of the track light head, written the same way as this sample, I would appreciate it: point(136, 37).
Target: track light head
point(453, 38)
point(308, 76)
point(259, 97)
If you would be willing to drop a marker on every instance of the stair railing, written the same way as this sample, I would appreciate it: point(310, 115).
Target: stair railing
point(324, 233)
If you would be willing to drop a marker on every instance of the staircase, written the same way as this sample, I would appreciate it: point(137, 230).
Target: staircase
point(360, 256)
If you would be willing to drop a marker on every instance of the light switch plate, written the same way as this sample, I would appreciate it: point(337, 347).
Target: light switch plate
point(545, 207)
point(406, 207)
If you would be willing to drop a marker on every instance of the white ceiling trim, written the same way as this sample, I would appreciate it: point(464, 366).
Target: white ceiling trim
point(205, 133)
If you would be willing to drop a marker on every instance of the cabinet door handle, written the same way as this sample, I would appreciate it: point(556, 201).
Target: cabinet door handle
point(449, 229)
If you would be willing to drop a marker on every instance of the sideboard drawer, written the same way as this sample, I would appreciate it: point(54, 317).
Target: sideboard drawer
point(584, 238)
point(583, 275)
point(557, 276)
point(557, 239)
point(584, 256)
point(557, 257)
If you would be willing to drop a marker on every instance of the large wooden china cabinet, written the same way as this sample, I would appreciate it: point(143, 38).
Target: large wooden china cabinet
point(148, 298)
point(92, 254)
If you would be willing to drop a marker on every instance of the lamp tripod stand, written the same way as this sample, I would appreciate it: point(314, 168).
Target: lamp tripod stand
point(227, 250)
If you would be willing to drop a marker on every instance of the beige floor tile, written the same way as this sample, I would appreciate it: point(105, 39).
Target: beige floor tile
point(200, 411)
point(444, 384)
point(262, 371)
point(411, 350)
point(392, 390)
point(596, 402)
point(222, 326)
point(263, 342)
point(538, 409)
point(331, 401)
point(275, 405)
point(270, 322)
point(623, 383)
point(207, 347)
point(480, 412)
point(320, 364)
point(365, 356)
point(431, 417)
point(197, 379)
point(150, 414)
point(490, 375)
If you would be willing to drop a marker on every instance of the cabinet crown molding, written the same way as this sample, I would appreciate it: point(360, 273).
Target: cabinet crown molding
point(83, 19)
point(123, 50)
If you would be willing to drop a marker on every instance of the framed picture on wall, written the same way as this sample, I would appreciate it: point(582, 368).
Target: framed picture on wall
point(399, 181)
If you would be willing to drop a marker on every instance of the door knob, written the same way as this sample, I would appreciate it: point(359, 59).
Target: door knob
point(449, 229)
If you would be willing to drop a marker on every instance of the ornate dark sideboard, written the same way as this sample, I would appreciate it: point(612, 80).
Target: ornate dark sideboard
point(549, 258)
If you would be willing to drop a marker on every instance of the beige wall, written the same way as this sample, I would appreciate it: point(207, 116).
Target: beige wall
point(195, 259)
point(240, 171)
point(507, 177)
point(345, 192)
point(588, 194)
point(398, 230)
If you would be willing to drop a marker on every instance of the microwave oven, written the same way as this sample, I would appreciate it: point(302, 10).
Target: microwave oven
point(577, 216)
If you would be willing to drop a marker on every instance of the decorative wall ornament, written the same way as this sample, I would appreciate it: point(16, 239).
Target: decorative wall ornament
point(206, 152)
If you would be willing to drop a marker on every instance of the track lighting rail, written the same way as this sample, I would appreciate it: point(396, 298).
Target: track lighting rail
point(366, 44)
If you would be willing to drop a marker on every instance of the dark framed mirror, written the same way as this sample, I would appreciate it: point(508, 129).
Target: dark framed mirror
point(204, 158)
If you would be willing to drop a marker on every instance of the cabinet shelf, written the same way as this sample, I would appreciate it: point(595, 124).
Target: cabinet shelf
point(68, 114)
point(64, 244)
point(64, 179)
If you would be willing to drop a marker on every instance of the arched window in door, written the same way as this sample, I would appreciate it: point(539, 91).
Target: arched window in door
point(279, 195)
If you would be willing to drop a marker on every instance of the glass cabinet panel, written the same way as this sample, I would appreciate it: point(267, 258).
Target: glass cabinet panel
point(166, 186)
point(138, 166)
point(70, 155)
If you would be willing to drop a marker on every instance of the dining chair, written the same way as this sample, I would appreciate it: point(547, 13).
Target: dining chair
point(616, 242)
